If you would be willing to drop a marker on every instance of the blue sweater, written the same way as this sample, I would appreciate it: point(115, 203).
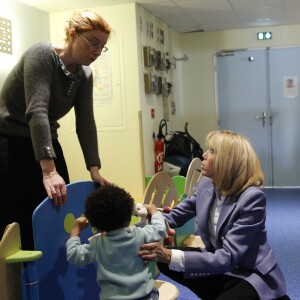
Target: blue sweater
point(121, 273)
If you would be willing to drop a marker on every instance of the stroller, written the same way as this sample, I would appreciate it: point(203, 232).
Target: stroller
point(180, 149)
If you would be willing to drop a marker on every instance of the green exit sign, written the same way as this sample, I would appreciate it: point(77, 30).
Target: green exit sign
point(264, 35)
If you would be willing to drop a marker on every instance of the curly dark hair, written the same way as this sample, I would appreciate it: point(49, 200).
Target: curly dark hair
point(109, 207)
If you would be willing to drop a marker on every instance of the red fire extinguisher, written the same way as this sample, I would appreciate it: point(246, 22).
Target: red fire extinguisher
point(160, 147)
point(159, 154)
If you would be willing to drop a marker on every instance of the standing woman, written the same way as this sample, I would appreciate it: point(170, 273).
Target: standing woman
point(42, 88)
point(230, 214)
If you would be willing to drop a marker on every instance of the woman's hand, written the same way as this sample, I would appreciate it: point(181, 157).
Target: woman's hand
point(54, 184)
point(155, 252)
point(96, 177)
point(56, 188)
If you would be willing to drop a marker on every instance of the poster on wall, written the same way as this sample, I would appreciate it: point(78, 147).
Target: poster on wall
point(5, 36)
point(290, 86)
point(102, 80)
point(108, 97)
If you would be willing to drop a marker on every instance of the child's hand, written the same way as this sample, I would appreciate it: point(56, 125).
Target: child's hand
point(151, 209)
point(82, 222)
point(79, 224)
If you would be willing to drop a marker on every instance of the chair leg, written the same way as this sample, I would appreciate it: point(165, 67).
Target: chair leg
point(30, 282)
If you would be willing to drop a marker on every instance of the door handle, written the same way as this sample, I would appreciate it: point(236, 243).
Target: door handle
point(272, 115)
point(262, 117)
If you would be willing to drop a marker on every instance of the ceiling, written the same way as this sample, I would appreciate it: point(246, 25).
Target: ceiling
point(197, 15)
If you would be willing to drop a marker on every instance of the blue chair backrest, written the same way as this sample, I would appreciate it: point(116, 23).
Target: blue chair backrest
point(51, 229)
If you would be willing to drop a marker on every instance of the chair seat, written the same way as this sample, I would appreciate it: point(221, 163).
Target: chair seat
point(167, 290)
point(193, 241)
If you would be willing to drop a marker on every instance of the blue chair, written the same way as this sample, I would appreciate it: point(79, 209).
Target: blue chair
point(51, 229)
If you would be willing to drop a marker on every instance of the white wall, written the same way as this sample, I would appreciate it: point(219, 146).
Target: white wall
point(29, 26)
point(198, 74)
point(178, 51)
point(150, 101)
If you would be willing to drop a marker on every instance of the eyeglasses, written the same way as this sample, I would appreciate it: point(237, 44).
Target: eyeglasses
point(95, 46)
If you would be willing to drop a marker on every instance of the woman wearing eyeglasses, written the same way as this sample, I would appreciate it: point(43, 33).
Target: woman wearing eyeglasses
point(43, 87)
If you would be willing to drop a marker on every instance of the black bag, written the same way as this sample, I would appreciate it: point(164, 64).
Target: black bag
point(180, 149)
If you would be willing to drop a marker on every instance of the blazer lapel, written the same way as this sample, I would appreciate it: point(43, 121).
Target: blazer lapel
point(227, 207)
point(207, 202)
point(203, 212)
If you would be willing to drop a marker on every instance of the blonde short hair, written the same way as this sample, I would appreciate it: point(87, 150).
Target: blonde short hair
point(236, 164)
point(86, 20)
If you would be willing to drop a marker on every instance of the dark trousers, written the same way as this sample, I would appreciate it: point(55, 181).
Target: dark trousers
point(216, 287)
point(21, 183)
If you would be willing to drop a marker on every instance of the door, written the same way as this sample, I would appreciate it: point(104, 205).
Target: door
point(253, 99)
point(284, 83)
point(242, 95)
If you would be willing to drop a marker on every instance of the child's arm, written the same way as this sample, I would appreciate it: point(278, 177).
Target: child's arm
point(79, 225)
point(156, 229)
point(77, 253)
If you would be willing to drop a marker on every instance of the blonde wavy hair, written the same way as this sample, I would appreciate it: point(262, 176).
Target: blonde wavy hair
point(86, 20)
point(236, 164)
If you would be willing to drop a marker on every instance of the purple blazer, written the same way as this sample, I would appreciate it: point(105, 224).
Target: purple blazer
point(242, 247)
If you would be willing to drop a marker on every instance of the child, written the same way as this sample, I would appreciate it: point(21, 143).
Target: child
point(121, 272)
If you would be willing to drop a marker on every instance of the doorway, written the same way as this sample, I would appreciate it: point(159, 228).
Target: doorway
point(258, 97)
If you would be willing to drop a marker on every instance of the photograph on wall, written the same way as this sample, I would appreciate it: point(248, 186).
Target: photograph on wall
point(290, 86)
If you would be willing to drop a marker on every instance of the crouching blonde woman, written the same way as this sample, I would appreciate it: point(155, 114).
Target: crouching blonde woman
point(230, 214)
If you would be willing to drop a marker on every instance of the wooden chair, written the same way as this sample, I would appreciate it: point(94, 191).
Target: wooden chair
point(185, 235)
point(193, 177)
point(12, 258)
point(161, 191)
